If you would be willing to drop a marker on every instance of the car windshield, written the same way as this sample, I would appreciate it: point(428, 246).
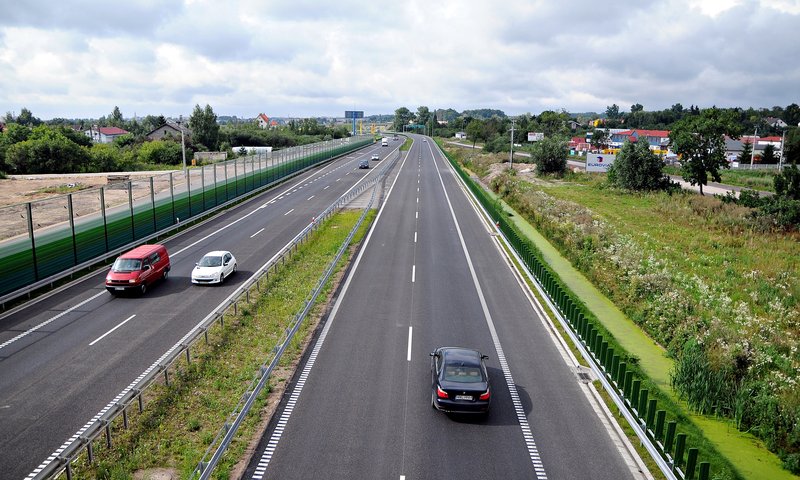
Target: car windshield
point(127, 265)
point(462, 373)
point(209, 261)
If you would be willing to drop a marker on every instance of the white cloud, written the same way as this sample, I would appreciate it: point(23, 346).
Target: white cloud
point(80, 59)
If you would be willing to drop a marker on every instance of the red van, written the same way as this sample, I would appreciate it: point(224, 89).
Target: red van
point(138, 269)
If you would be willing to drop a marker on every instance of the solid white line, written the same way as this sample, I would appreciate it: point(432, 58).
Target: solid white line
point(266, 456)
point(413, 273)
point(408, 356)
point(416, 215)
point(327, 187)
point(309, 198)
point(522, 419)
point(287, 213)
point(253, 235)
point(415, 237)
point(104, 335)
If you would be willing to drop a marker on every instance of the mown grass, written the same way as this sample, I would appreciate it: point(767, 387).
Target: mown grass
point(181, 420)
point(753, 179)
point(407, 143)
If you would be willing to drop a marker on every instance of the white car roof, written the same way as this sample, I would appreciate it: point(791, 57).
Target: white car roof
point(216, 253)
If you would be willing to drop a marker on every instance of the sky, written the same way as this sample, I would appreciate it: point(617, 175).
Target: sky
point(302, 58)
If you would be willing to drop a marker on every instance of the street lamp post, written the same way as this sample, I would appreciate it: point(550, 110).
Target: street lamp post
point(511, 153)
point(183, 144)
point(780, 159)
point(753, 152)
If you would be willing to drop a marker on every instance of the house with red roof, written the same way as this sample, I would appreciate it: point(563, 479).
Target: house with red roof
point(657, 139)
point(104, 134)
point(263, 121)
point(579, 144)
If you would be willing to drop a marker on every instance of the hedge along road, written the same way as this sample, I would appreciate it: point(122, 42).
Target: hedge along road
point(744, 451)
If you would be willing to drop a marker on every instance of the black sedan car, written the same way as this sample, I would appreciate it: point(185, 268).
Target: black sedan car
point(459, 380)
point(363, 163)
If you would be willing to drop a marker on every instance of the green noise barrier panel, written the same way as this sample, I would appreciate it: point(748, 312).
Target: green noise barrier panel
point(52, 236)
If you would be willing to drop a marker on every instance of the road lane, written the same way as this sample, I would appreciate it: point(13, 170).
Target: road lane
point(52, 380)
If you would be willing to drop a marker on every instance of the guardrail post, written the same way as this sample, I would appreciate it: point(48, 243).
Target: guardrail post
point(141, 403)
point(680, 445)
point(635, 385)
point(642, 409)
point(90, 452)
point(619, 375)
point(108, 435)
point(166, 376)
point(612, 375)
point(125, 418)
point(627, 385)
point(69, 470)
point(704, 470)
point(188, 356)
point(661, 415)
point(609, 357)
point(651, 413)
point(691, 464)
point(670, 438)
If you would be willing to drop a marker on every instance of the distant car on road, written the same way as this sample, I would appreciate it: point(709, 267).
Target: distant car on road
point(214, 267)
point(375, 156)
point(363, 163)
point(425, 140)
point(459, 380)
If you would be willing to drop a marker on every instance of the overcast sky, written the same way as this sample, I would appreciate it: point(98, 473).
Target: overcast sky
point(79, 59)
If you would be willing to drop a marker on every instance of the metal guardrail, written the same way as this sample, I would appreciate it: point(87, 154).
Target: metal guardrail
point(224, 437)
point(618, 382)
point(60, 461)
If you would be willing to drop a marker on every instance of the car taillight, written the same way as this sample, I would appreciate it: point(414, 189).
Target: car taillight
point(441, 393)
point(485, 395)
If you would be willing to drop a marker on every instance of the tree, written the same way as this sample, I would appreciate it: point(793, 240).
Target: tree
point(637, 107)
point(26, 118)
point(550, 155)
point(475, 131)
point(205, 129)
point(700, 141)
point(637, 168)
point(423, 115)
point(599, 138)
point(791, 115)
point(787, 183)
point(116, 120)
point(47, 151)
point(552, 123)
point(402, 117)
point(768, 156)
point(791, 152)
point(612, 112)
point(746, 154)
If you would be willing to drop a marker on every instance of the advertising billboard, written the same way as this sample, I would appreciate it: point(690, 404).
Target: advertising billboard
point(535, 136)
point(599, 162)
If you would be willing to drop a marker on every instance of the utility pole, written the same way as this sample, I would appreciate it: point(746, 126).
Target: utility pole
point(183, 145)
point(511, 153)
point(753, 152)
point(780, 159)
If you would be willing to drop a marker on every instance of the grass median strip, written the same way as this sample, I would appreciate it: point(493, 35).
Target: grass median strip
point(180, 420)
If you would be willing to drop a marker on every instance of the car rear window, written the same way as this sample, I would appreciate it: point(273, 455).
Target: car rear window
point(462, 373)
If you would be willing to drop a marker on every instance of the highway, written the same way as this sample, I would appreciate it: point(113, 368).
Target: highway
point(64, 358)
point(431, 274)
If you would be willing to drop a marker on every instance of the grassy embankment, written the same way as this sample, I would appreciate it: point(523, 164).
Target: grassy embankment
point(753, 179)
point(181, 420)
point(701, 251)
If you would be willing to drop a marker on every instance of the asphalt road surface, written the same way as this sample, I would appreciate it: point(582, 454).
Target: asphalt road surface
point(66, 357)
point(430, 274)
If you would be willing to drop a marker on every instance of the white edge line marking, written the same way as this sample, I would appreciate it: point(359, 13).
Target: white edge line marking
point(269, 451)
point(47, 322)
point(408, 356)
point(108, 332)
point(522, 419)
point(253, 235)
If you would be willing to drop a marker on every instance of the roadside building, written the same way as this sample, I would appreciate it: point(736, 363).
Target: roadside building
point(658, 140)
point(461, 135)
point(104, 134)
point(263, 121)
point(169, 130)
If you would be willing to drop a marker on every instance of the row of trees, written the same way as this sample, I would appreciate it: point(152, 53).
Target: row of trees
point(28, 145)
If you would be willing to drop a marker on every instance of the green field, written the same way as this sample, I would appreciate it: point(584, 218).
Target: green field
point(686, 268)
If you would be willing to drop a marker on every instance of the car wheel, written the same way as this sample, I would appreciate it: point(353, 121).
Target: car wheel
point(234, 268)
point(166, 274)
point(143, 288)
point(433, 401)
point(221, 277)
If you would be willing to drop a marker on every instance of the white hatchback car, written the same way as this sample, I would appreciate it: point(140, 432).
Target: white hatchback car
point(214, 267)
